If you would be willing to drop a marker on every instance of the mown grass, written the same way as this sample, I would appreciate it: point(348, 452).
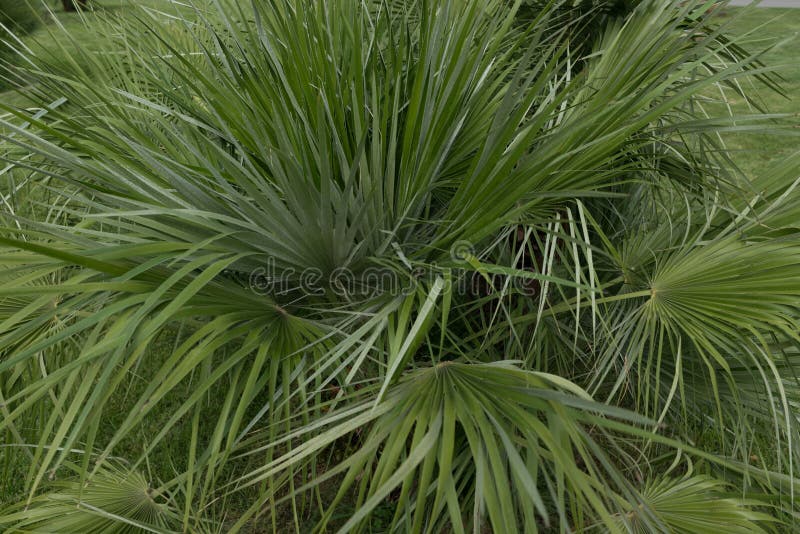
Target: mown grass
point(777, 31)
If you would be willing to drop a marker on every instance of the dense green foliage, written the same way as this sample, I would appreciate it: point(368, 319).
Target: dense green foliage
point(410, 266)
point(17, 18)
point(21, 17)
point(585, 20)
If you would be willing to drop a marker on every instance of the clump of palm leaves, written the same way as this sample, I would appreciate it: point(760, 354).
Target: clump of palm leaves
point(303, 262)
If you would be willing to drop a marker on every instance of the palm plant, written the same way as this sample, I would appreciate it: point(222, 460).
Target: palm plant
point(307, 262)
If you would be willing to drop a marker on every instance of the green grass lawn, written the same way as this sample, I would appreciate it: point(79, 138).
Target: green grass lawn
point(779, 29)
